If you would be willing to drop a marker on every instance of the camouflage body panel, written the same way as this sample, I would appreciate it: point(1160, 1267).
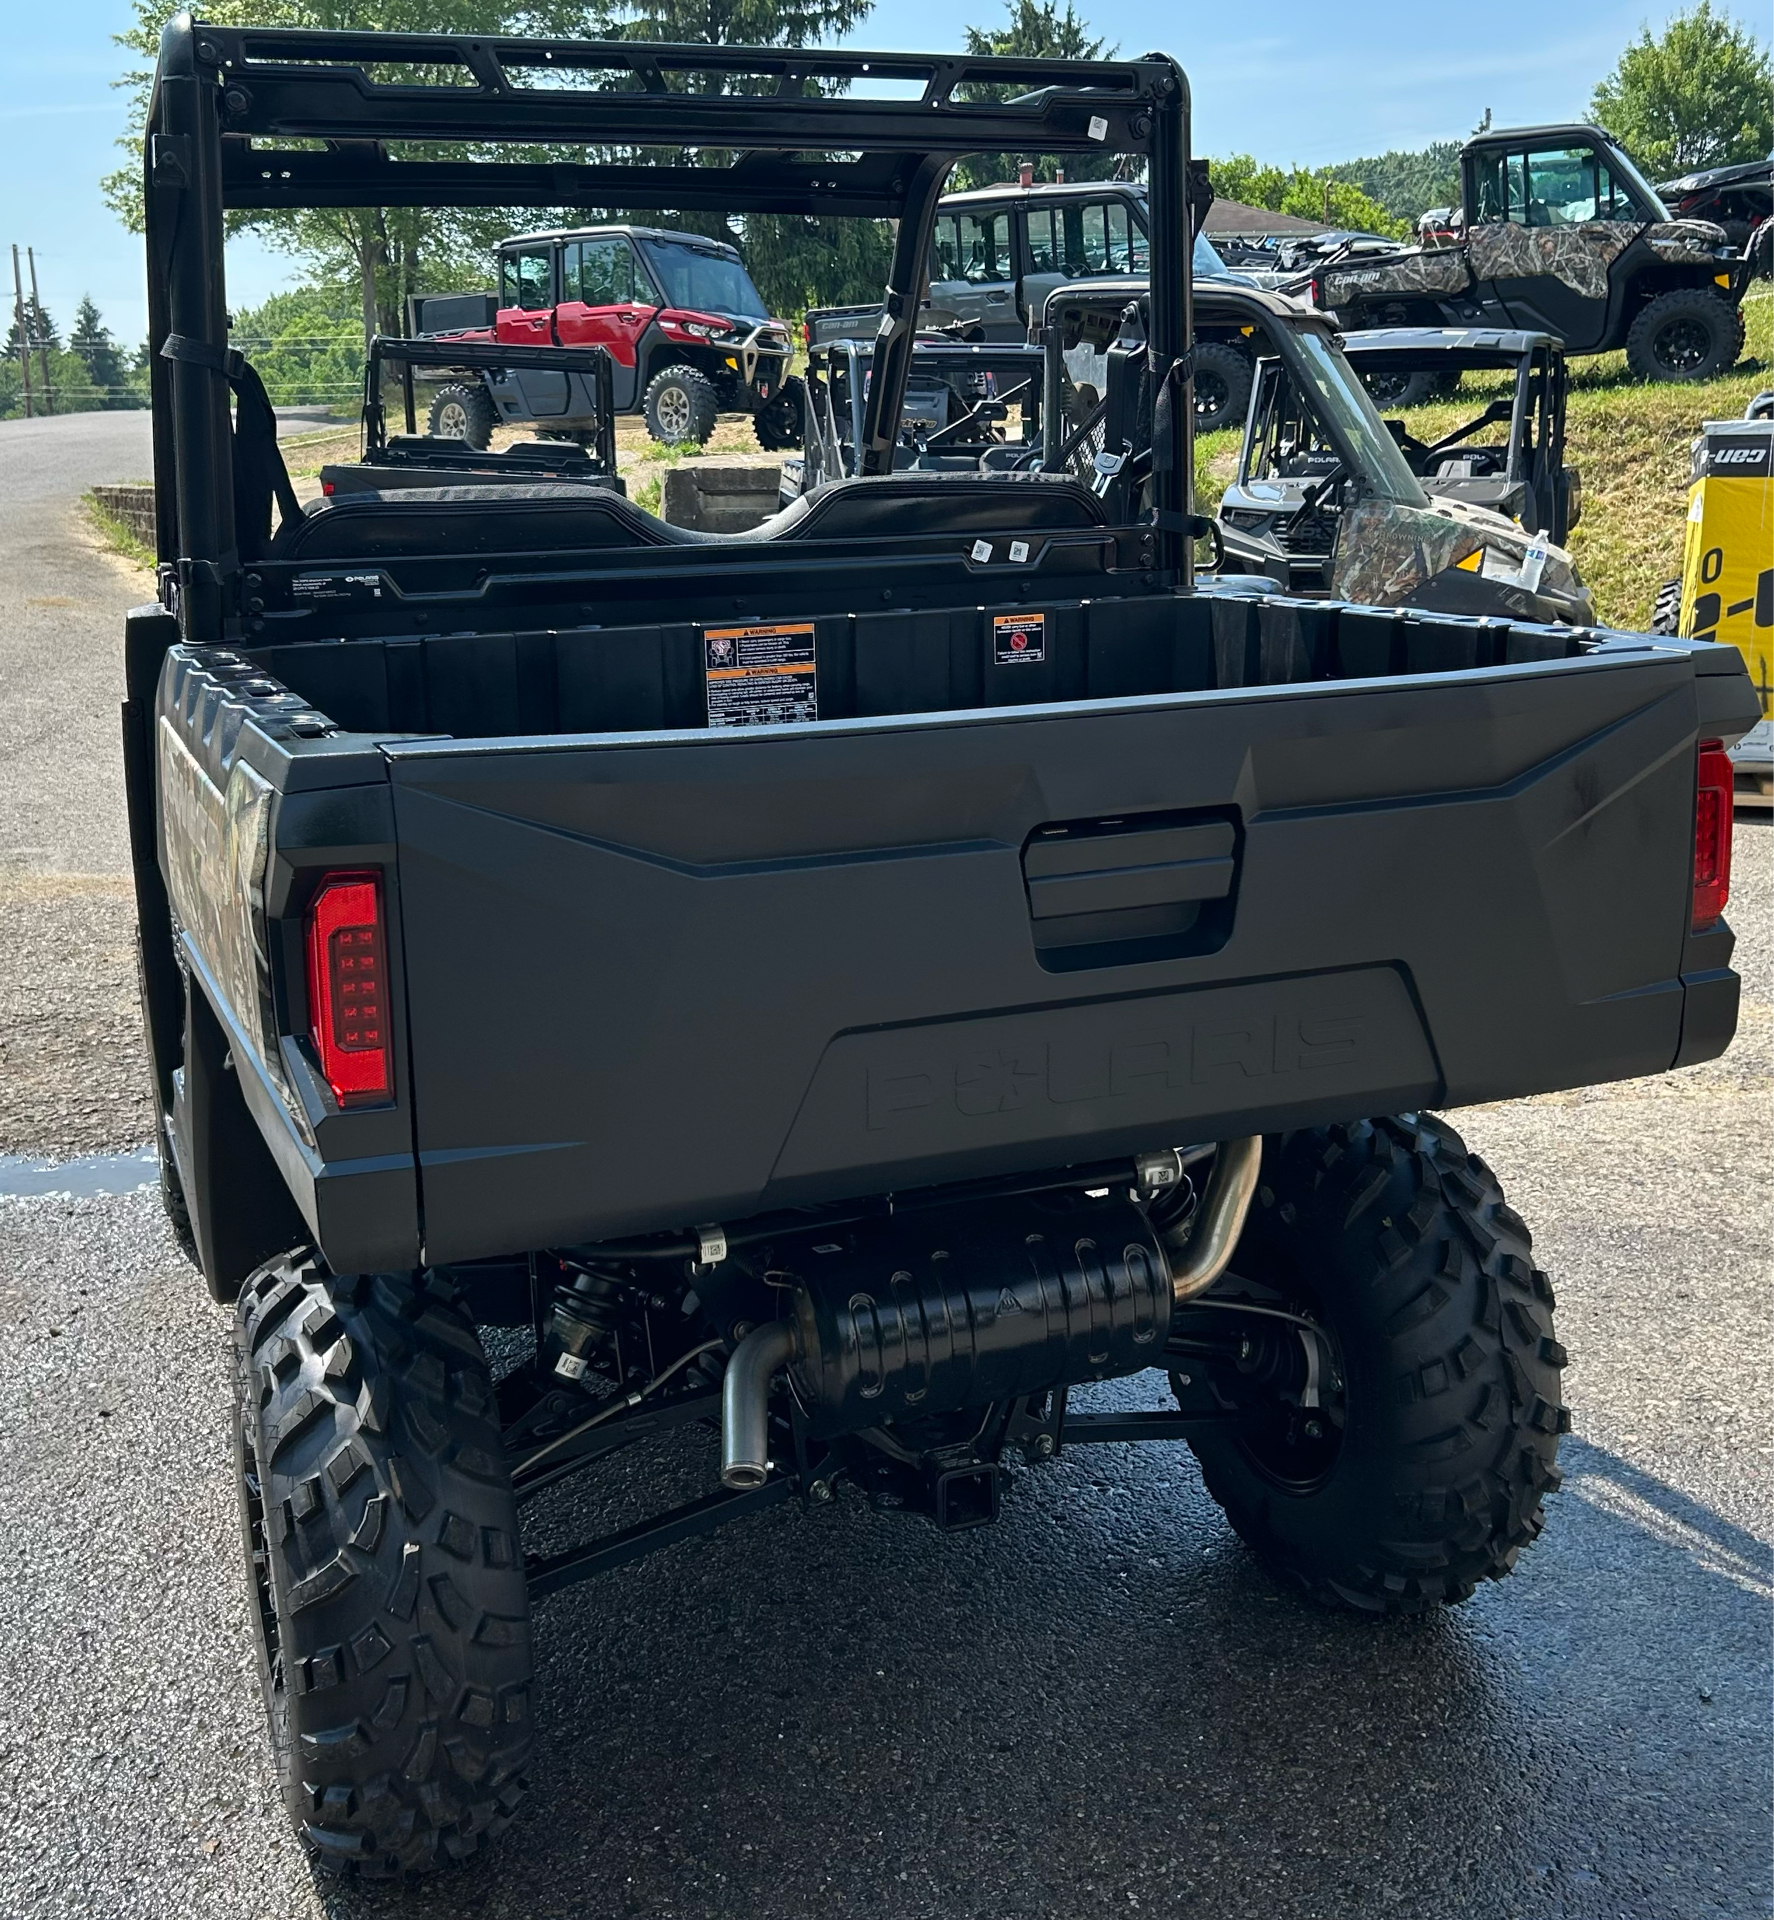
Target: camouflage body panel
point(1387, 554)
point(1385, 551)
point(1432, 270)
point(1685, 242)
point(1580, 255)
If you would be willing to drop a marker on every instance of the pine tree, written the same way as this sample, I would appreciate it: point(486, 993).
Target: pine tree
point(91, 341)
point(1035, 30)
point(40, 330)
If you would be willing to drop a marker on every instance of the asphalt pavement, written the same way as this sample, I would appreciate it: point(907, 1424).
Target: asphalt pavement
point(1101, 1706)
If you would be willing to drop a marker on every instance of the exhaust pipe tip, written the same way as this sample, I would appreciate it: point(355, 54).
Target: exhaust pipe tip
point(745, 1404)
point(1201, 1249)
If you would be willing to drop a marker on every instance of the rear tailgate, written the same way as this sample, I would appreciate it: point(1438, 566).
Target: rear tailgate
point(668, 978)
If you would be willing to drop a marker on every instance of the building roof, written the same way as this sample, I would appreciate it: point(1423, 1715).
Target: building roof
point(1233, 217)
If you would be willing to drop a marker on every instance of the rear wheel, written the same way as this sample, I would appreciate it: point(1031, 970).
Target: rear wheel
point(681, 405)
point(1691, 333)
point(386, 1576)
point(1666, 610)
point(1222, 386)
point(1388, 1341)
point(462, 412)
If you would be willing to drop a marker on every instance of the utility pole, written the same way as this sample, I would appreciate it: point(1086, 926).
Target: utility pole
point(24, 332)
point(42, 344)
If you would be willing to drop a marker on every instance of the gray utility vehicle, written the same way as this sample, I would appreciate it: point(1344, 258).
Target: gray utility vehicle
point(1510, 455)
point(1563, 235)
point(1000, 252)
point(388, 462)
point(1325, 499)
point(967, 408)
point(844, 986)
point(685, 331)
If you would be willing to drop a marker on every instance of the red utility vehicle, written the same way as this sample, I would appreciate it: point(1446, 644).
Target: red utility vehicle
point(685, 328)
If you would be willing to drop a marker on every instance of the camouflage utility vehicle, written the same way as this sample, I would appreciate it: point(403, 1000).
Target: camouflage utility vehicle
point(1561, 234)
point(842, 988)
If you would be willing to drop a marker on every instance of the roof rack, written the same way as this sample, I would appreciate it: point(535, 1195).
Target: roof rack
point(797, 136)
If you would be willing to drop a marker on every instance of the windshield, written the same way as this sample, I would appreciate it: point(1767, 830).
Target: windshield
point(699, 277)
point(1205, 262)
point(1621, 162)
point(1343, 402)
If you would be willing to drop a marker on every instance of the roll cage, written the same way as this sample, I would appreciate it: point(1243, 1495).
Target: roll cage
point(245, 119)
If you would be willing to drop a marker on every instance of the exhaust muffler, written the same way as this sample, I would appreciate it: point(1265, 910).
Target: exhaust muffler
point(932, 1311)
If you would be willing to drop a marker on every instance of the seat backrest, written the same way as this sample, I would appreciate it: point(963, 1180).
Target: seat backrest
point(500, 517)
point(542, 516)
point(964, 504)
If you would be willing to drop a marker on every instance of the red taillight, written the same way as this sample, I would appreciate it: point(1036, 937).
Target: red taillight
point(1713, 783)
point(348, 986)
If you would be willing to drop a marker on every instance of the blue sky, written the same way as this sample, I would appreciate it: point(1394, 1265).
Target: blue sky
point(1290, 80)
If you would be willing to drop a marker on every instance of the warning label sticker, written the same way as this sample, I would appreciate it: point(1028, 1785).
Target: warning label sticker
point(1017, 637)
point(760, 676)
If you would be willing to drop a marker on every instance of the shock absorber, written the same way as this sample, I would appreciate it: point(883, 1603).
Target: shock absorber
point(589, 1311)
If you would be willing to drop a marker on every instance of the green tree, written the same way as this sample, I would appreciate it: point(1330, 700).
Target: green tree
point(1407, 183)
point(1035, 30)
point(387, 252)
point(1699, 95)
point(1312, 195)
point(797, 260)
point(40, 329)
point(306, 343)
point(92, 344)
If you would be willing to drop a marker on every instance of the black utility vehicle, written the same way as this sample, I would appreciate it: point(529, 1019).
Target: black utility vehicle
point(1561, 234)
point(1739, 199)
point(841, 986)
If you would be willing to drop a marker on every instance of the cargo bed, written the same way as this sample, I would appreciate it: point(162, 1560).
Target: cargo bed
point(1210, 867)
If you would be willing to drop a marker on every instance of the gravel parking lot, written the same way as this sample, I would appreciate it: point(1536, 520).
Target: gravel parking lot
point(1100, 1706)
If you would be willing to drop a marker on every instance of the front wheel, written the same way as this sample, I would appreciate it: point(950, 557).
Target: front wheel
point(386, 1578)
point(778, 422)
point(1383, 1354)
point(1222, 386)
point(681, 406)
point(1690, 333)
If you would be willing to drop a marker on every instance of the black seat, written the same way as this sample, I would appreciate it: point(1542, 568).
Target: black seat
point(964, 504)
point(551, 516)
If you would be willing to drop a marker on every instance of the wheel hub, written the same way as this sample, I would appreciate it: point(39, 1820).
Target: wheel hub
point(674, 413)
point(1683, 345)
